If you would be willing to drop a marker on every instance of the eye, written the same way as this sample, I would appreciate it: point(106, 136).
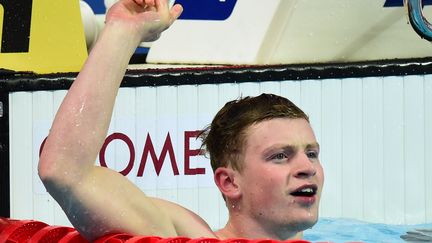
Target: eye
point(279, 157)
point(312, 154)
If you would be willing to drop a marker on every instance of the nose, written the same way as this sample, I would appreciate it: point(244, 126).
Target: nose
point(304, 167)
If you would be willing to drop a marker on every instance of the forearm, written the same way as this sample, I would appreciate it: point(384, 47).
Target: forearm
point(81, 123)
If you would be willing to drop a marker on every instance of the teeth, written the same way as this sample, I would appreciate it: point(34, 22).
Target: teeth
point(305, 192)
point(308, 190)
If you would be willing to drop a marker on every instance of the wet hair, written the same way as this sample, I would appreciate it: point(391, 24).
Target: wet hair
point(224, 139)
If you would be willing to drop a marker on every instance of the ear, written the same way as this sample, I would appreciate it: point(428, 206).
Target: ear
point(226, 180)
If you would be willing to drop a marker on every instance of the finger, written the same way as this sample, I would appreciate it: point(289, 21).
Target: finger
point(150, 3)
point(139, 2)
point(161, 5)
point(150, 8)
point(175, 12)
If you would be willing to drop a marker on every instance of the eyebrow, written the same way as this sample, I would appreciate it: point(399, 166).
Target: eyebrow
point(313, 145)
point(290, 147)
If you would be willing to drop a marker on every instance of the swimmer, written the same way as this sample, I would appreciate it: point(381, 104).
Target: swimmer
point(263, 151)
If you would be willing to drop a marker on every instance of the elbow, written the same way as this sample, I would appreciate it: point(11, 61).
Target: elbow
point(59, 167)
point(49, 167)
point(46, 170)
point(45, 165)
point(57, 172)
point(52, 176)
point(47, 175)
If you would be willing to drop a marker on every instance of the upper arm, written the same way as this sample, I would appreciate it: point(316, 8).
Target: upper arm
point(104, 201)
point(186, 222)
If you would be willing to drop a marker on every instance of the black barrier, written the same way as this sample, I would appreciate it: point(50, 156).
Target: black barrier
point(16, 25)
point(4, 156)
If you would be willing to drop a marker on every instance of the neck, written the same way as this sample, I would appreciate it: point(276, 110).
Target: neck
point(242, 227)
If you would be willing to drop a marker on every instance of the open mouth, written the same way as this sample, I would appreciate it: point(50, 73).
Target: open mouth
point(305, 191)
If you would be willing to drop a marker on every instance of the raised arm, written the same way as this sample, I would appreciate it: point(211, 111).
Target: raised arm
point(87, 108)
point(97, 200)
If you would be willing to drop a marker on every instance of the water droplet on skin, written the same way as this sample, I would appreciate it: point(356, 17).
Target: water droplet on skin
point(82, 107)
point(309, 212)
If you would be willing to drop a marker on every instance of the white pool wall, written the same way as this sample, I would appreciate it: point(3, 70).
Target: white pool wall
point(375, 135)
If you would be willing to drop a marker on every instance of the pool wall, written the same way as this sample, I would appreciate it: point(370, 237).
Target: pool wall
point(375, 134)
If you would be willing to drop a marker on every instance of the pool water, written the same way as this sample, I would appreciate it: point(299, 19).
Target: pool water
point(349, 230)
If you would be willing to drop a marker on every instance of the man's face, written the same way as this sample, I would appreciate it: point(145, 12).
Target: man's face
point(282, 178)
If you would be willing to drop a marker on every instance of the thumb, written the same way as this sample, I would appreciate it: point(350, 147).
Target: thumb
point(176, 11)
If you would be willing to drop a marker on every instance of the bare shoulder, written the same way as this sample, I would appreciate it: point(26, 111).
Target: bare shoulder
point(186, 222)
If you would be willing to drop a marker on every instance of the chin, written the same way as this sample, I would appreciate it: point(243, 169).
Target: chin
point(311, 222)
point(307, 221)
point(303, 225)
